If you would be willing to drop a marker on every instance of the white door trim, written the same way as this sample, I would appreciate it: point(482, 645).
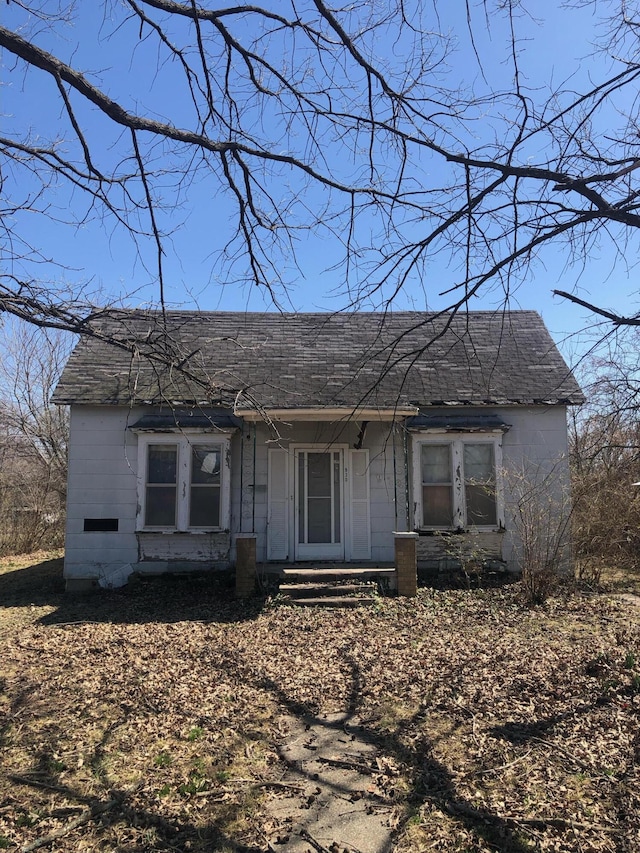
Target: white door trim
point(320, 551)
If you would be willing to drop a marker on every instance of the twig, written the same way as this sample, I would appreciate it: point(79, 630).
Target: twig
point(502, 766)
point(314, 842)
point(253, 783)
point(65, 811)
point(571, 757)
point(85, 817)
point(36, 783)
point(349, 848)
point(214, 796)
point(281, 785)
point(348, 765)
point(538, 822)
point(251, 786)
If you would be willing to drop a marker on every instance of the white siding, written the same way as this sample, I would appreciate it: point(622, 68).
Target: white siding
point(538, 435)
point(103, 461)
point(536, 445)
point(101, 484)
point(360, 540)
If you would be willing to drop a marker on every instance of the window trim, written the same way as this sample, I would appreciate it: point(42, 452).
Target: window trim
point(457, 443)
point(184, 440)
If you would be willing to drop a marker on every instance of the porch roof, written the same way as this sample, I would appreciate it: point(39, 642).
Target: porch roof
point(458, 423)
point(175, 418)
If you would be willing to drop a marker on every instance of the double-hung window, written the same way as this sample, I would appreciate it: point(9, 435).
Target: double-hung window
point(457, 482)
point(183, 482)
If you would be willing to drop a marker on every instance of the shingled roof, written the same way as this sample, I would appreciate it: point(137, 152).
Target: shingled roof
point(292, 361)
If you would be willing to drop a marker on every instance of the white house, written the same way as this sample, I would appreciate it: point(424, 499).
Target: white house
point(320, 434)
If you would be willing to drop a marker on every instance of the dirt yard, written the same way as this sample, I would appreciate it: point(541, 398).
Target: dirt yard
point(160, 717)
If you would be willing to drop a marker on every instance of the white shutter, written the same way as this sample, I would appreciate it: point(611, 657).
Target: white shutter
point(359, 505)
point(278, 505)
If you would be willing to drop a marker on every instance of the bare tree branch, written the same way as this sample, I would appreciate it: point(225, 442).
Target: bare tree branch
point(616, 319)
point(343, 125)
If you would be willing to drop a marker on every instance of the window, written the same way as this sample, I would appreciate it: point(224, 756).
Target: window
point(457, 482)
point(162, 485)
point(204, 503)
point(437, 485)
point(480, 484)
point(183, 483)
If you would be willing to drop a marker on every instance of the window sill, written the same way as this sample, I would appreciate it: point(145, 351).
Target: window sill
point(171, 531)
point(459, 531)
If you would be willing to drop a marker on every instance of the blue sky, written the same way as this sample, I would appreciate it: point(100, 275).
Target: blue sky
point(556, 46)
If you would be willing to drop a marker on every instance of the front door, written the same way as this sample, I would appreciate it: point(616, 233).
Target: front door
point(319, 504)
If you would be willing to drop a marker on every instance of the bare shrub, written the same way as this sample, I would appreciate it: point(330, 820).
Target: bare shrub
point(589, 572)
point(468, 556)
point(541, 521)
point(33, 440)
point(605, 463)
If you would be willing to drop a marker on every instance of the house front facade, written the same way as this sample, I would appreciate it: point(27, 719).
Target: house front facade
point(319, 435)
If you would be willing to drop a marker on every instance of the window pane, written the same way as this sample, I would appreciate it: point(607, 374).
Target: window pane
point(480, 493)
point(160, 506)
point(205, 506)
point(481, 504)
point(302, 498)
point(319, 475)
point(160, 503)
point(336, 497)
point(319, 530)
point(319, 518)
point(478, 463)
point(437, 506)
point(436, 463)
point(162, 463)
point(205, 464)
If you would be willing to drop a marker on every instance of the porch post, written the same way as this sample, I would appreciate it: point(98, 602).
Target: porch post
point(245, 565)
point(406, 554)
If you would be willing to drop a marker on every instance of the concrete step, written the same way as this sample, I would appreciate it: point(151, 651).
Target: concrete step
point(336, 574)
point(315, 590)
point(329, 593)
point(333, 601)
point(334, 585)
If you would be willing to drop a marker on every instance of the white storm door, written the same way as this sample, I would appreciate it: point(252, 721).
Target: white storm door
point(319, 504)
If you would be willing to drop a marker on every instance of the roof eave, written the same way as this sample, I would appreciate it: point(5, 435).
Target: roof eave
point(330, 414)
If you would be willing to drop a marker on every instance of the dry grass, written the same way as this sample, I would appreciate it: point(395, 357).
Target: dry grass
point(620, 581)
point(148, 719)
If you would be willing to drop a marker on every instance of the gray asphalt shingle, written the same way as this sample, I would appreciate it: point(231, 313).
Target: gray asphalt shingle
point(319, 360)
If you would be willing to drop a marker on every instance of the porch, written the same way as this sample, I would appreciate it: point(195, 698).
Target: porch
point(399, 577)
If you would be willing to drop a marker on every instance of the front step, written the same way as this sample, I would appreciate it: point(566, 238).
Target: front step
point(309, 590)
point(333, 586)
point(384, 577)
point(329, 594)
point(332, 601)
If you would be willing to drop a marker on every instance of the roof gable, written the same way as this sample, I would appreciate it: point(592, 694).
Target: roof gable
point(289, 361)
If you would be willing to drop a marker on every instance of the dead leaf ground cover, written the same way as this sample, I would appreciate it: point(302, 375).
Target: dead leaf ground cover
point(150, 718)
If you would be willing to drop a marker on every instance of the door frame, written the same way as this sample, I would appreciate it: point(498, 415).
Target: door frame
point(303, 552)
point(281, 504)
